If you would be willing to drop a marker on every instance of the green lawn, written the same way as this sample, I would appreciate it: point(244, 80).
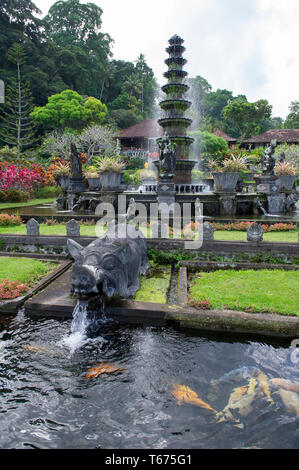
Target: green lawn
point(59, 229)
point(154, 287)
point(274, 291)
point(89, 230)
point(32, 202)
point(282, 237)
point(24, 270)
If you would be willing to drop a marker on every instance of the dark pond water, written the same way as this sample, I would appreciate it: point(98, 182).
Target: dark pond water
point(46, 401)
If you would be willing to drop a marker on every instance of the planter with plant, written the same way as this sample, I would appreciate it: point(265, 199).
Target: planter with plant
point(287, 176)
point(92, 175)
point(110, 172)
point(227, 173)
point(62, 174)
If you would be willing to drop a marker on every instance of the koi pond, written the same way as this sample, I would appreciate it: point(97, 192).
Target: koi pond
point(143, 388)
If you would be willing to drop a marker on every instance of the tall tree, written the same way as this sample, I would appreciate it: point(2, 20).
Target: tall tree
point(68, 109)
point(17, 127)
point(292, 119)
point(247, 117)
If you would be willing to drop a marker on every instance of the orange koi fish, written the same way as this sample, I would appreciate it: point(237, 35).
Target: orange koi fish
point(290, 400)
point(265, 385)
point(286, 385)
point(102, 369)
point(182, 393)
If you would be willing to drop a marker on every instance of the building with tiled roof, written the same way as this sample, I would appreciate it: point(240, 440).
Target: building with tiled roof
point(289, 136)
point(142, 135)
point(229, 140)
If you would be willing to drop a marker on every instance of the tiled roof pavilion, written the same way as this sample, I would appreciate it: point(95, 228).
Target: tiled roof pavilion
point(290, 136)
point(224, 136)
point(148, 129)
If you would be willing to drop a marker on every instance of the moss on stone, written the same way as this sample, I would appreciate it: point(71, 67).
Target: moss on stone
point(154, 287)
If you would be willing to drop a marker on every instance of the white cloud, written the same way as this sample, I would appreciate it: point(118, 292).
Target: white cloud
point(279, 46)
point(246, 46)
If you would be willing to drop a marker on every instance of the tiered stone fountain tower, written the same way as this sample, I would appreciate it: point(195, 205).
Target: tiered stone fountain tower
point(174, 122)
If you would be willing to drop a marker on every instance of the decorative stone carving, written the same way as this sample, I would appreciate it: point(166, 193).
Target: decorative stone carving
point(75, 162)
point(276, 203)
point(255, 233)
point(228, 205)
point(208, 231)
point(73, 228)
point(167, 158)
point(110, 266)
point(268, 160)
point(32, 228)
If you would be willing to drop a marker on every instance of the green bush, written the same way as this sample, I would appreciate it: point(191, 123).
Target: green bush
point(7, 220)
point(46, 192)
point(132, 177)
point(14, 195)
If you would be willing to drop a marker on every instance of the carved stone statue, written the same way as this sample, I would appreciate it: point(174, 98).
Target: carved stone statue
point(110, 266)
point(167, 157)
point(76, 162)
point(268, 160)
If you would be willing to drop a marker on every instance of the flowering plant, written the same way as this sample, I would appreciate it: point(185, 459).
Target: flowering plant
point(12, 289)
point(9, 220)
point(22, 178)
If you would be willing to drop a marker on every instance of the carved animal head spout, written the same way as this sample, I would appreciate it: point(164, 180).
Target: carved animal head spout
point(106, 268)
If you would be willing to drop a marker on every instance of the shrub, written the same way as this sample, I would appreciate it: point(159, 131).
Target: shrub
point(12, 289)
point(24, 178)
point(7, 220)
point(200, 304)
point(243, 226)
point(46, 192)
point(14, 195)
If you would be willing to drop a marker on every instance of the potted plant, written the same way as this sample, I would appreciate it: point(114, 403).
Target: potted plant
point(92, 175)
point(287, 176)
point(227, 173)
point(61, 174)
point(110, 172)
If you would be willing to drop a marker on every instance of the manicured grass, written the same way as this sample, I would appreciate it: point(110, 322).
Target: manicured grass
point(282, 237)
point(154, 288)
point(32, 202)
point(254, 291)
point(59, 229)
point(24, 270)
point(89, 230)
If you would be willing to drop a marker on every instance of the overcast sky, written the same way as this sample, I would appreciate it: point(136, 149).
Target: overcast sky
point(247, 46)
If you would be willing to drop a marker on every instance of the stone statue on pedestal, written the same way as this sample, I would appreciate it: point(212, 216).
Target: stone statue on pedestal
point(268, 160)
point(75, 162)
point(167, 158)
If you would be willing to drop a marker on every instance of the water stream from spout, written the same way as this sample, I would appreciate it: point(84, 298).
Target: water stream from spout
point(84, 322)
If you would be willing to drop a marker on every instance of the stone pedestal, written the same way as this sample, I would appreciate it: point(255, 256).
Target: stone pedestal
point(76, 185)
point(276, 203)
point(268, 184)
point(228, 204)
point(166, 196)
